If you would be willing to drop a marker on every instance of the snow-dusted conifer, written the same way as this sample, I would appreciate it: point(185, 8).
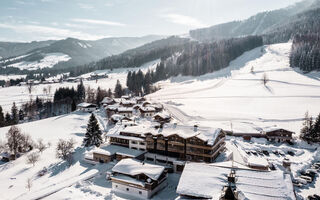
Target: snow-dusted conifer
point(93, 134)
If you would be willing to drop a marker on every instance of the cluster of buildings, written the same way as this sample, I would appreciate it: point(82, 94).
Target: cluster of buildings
point(145, 152)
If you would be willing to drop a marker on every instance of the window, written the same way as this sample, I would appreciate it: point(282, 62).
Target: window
point(140, 192)
point(142, 143)
point(127, 189)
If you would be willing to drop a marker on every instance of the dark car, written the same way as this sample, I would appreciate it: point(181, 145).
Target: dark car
point(291, 153)
point(265, 152)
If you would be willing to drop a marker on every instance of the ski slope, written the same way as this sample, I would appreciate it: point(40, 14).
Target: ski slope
point(235, 99)
point(49, 60)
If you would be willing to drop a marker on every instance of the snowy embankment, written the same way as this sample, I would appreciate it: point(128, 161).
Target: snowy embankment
point(235, 99)
point(20, 95)
point(58, 186)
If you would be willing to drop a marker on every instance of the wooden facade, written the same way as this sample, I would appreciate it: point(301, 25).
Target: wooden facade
point(190, 149)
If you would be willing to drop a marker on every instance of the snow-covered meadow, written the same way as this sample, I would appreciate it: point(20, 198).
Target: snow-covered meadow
point(235, 98)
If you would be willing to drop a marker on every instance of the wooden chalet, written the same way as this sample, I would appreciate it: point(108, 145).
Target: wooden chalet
point(137, 179)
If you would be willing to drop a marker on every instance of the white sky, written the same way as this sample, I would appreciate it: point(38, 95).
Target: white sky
point(27, 20)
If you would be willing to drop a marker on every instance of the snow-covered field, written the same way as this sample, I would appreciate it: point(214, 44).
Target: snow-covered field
point(19, 94)
point(48, 61)
point(235, 98)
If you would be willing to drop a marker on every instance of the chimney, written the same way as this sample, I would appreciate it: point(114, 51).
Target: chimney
point(195, 128)
point(232, 177)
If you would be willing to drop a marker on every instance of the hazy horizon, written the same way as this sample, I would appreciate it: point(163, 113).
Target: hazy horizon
point(37, 20)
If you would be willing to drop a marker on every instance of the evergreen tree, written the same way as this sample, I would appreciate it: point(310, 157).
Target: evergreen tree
point(109, 94)
point(307, 127)
point(21, 114)
point(2, 120)
point(73, 105)
point(315, 132)
point(14, 114)
point(118, 92)
point(81, 91)
point(7, 119)
point(93, 135)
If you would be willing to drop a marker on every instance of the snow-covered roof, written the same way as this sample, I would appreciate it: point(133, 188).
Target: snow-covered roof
point(208, 135)
point(252, 184)
point(148, 109)
point(107, 100)
point(124, 109)
point(162, 115)
point(86, 105)
point(272, 128)
point(133, 167)
point(115, 149)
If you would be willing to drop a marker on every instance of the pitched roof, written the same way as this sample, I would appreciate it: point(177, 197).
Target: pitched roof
point(251, 184)
point(133, 167)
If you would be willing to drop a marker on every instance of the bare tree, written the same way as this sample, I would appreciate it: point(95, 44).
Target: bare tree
point(40, 145)
point(65, 150)
point(15, 139)
point(29, 184)
point(27, 143)
point(30, 89)
point(49, 90)
point(265, 79)
point(45, 91)
point(32, 158)
point(252, 70)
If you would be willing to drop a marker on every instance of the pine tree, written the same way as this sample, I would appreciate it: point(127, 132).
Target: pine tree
point(315, 131)
point(118, 92)
point(307, 127)
point(2, 120)
point(93, 135)
point(21, 114)
point(7, 119)
point(109, 94)
point(14, 114)
point(81, 91)
point(73, 105)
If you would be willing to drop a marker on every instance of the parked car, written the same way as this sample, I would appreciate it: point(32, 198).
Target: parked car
point(317, 196)
point(291, 153)
point(300, 180)
point(254, 153)
point(265, 152)
point(307, 178)
point(308, 174)
point(275, 152)
point(311, 171)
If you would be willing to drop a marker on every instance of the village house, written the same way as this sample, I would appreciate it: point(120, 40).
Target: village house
point(277, 134)
point(231, 180)
point(147, 111)
point(125, 111)
point(108, 153)
point(127, 103)
point(118, 118)
point(138, 179)
point(162, 118)
point(108, 101)
point(87, 107)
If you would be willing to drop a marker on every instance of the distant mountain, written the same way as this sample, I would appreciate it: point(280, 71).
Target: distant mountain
point(258, 24)
point(71, 51)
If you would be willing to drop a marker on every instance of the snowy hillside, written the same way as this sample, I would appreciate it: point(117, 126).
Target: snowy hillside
point(235, 98)
point(49, 60)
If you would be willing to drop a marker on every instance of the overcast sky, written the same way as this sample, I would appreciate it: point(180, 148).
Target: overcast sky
point(28, 20)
